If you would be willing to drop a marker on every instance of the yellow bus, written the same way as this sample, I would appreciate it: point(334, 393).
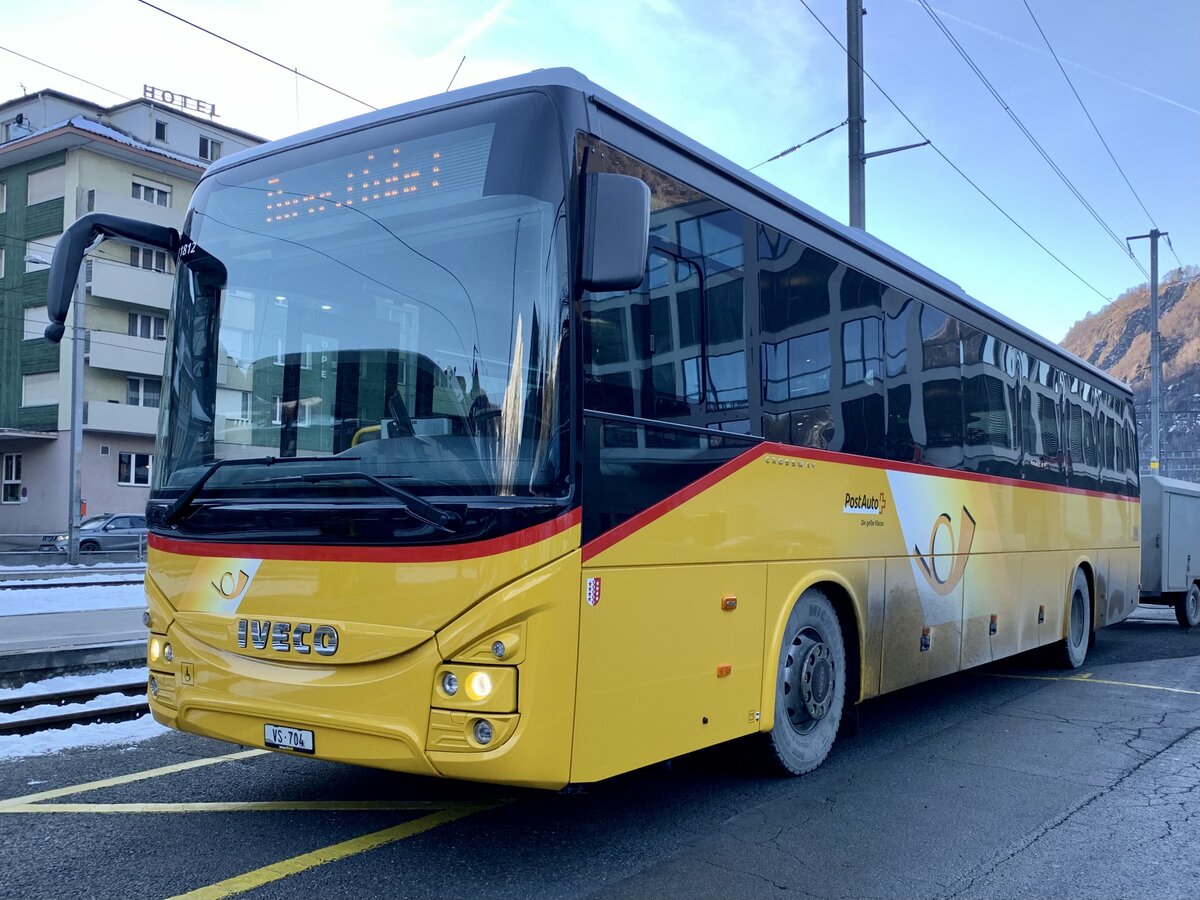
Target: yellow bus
point(511, 435)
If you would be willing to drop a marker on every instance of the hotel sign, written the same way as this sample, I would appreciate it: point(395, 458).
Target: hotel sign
point(183, 101)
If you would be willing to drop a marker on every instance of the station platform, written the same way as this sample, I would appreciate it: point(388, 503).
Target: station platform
point(40, 644)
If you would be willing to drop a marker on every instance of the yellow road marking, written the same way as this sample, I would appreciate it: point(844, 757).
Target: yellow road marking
point(127, 779)
point(1087, 678)
point(258, 877)
point(246, 806)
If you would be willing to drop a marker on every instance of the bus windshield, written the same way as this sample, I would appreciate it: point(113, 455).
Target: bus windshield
point(389, 302)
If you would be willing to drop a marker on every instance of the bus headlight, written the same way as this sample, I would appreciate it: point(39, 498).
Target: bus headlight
point(479, 686)
point(155, 649)
point(491, 689)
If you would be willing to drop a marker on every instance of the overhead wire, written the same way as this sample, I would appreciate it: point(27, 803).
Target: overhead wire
point(1095, 127)
point(815, 137)
point(1029, 135)
point(951, 163)
point(292, 70)
point(68, 74)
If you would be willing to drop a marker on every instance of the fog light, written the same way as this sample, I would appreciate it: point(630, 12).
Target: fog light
point(155, 649)
point(168, 653)
point(154, 691)
point(498, 649)
point(483, 732)
point(146, 617)
point(479, 686)
point(449, 683)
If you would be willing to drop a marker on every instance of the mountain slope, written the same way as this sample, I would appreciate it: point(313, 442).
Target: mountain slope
point(1117, 339)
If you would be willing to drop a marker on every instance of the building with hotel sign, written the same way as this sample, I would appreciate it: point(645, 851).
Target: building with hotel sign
point(61, 157)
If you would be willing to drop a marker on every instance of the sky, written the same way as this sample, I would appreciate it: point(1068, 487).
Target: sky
point(748, 79)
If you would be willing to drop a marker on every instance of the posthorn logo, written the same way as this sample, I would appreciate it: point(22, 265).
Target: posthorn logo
point(865, 504)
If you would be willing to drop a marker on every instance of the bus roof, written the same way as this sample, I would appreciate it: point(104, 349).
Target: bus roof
point(571, 79)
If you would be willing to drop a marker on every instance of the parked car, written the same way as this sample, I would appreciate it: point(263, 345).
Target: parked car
point(111, 531)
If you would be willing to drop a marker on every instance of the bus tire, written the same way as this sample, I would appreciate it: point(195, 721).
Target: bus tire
point(810, 687)
point(1187, 608)
point(1072, 650)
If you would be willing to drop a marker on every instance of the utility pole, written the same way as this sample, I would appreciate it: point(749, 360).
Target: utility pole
point(855, 119)
point(854, 113)
point(1155, 358)
point(74, 490)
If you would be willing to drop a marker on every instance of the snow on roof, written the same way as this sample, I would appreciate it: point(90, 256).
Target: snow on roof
point(82, 123)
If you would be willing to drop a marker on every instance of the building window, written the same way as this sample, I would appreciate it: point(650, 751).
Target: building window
point(133, 469)
point(39, 251)
point(210, 149)
point(3, 196)
point(159, 196)
point(277, 410)
point(36, 320)
point(862, 351)
point(160, 130)
point(142, 325)
point(145, 258)
point(1, 258)
point(12, 478)
point(40, 389)
point(144, 392)
point(48, 184)
point(798, 367)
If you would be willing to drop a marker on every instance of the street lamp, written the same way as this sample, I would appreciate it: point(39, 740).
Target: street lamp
point(74, 498)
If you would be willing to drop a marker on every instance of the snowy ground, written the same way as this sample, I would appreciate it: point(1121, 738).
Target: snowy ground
point(24, 601)
point(45, 742)
point(59, 596)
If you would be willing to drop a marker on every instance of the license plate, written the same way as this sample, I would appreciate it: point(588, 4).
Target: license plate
point(298, 739)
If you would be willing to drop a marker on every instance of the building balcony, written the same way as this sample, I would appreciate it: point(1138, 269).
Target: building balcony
point(125, 353)
point(144, 287)
point(124, 205)
point(120, 418)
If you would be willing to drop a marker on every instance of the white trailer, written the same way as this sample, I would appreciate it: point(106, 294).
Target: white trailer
point(1171, 547)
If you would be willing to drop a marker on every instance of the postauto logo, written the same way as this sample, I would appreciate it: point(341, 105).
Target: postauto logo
point(865, 504)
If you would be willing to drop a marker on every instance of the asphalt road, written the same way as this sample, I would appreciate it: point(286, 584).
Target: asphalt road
point(1010, 781)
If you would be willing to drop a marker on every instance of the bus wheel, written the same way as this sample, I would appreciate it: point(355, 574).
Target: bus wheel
point(810, 686)
point(1187, 608)
point(1074, 647)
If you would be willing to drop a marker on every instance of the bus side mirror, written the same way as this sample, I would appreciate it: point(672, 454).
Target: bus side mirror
point(616, 226)
point(80, 238)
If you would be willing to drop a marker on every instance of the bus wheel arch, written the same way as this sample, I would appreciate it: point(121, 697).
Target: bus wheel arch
point(1079, 619)
point(816, 672)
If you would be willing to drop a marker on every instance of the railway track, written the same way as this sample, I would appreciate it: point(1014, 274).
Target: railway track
point(80, 576)
point(65, 718)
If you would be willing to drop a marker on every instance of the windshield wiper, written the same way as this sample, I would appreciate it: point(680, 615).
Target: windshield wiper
point(184, 500)
point(420, 509)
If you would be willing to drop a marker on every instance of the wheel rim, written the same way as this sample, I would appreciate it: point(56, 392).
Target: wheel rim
point(808, 680)
point(1077, 619)
point(1193, 603)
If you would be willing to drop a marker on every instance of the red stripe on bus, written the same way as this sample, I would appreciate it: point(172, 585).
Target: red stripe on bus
point(662, 507)
point(648, 515)
point(326, 553)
